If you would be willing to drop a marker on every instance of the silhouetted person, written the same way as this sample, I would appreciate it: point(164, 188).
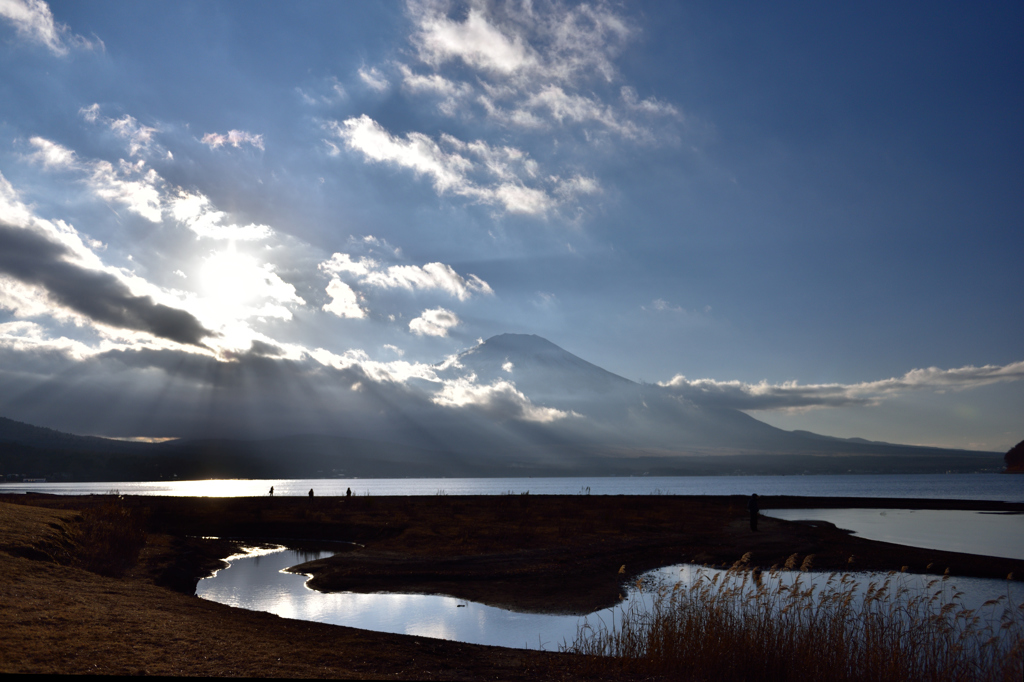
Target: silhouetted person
point(754, 510)
point(348, 492)
point(271, 491)
point(310, 493)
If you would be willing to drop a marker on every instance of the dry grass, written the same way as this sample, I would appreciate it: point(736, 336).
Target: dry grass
point(109, 537)
point(744, 625)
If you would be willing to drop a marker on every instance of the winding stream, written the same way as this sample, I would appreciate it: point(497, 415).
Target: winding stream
point(258, 581)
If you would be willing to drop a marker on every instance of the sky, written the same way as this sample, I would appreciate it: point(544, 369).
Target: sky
point(813, 212)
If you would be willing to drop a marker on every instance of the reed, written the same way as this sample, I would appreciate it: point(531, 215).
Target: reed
point(109, 537)
point(744, 624)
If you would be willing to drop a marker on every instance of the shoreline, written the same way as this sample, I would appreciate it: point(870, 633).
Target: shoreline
point(543, 553)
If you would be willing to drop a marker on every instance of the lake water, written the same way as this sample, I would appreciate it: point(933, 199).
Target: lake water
point(971, 532)
point(995, 487)
point(258, 582)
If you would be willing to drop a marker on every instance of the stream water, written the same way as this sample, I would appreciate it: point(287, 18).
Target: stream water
point(258, 581)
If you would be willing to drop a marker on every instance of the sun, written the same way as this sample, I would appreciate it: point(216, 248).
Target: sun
point(232, 283)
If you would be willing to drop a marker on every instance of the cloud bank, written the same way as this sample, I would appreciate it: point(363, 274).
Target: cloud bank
point(793, 396)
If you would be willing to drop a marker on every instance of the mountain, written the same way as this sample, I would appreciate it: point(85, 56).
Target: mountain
point(519, 405)
point(540, 369)
point(638, 417)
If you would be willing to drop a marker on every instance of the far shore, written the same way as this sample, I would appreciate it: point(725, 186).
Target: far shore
point(565, 554)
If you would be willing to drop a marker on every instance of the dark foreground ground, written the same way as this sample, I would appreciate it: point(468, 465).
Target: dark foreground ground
point(100, 584)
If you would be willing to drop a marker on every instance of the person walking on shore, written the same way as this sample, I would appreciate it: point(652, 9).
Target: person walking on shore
point(754, 509)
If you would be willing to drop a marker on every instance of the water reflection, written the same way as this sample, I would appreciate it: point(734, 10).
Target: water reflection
point(971, 532)
point(258, 583)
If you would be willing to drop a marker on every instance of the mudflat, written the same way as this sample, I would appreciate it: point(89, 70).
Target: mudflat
point(79, 595)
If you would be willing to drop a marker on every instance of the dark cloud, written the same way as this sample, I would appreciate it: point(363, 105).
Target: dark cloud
point(31, 258)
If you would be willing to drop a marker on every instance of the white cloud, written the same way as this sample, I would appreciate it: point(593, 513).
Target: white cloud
point(500, 399)
point(650, 105)
point(499, 176)
point(531, 62)
point(434, 322)
point(129, 184)
point(661, 305)
point(235, 138)
point(530, 66)
point(411, 277)
point(337, 88)
point(374, 78)
point(52, 155)
point(30, 336)
point(562, 106)
point(575, 186)
point(90, 113)
point(429, 276)
point(34, 20)
point(142, 191)
point(475, 41)
point(333, 91)
point(416, 151)
point(397, 371)
point(517, 198)
point(140, 138)
point(433, 83)
point(794, 396)
point(344, 302)
point(197, 213)
point(342, 262)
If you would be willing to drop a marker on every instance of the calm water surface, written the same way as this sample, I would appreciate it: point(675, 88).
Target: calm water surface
point(258, 582)
point(997, 487)
point(971, 532)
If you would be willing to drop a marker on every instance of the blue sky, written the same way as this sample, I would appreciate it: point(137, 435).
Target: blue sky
point(811, 212)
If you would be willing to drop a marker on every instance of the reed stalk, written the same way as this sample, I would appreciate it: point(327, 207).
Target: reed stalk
point(743, 624)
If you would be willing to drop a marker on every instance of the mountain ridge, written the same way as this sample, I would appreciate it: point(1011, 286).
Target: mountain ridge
point(603, 424)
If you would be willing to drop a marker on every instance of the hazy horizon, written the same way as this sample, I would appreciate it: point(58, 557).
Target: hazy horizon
point(226, 213)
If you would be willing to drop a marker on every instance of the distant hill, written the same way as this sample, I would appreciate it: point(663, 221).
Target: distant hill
point(41, 437)
point(1015, 459)
point(609, 425)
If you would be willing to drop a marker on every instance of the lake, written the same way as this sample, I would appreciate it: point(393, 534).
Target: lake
point(971, 532)
point(994, 487)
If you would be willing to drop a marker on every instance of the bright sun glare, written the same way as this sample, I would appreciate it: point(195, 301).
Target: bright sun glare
point(231, 282)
